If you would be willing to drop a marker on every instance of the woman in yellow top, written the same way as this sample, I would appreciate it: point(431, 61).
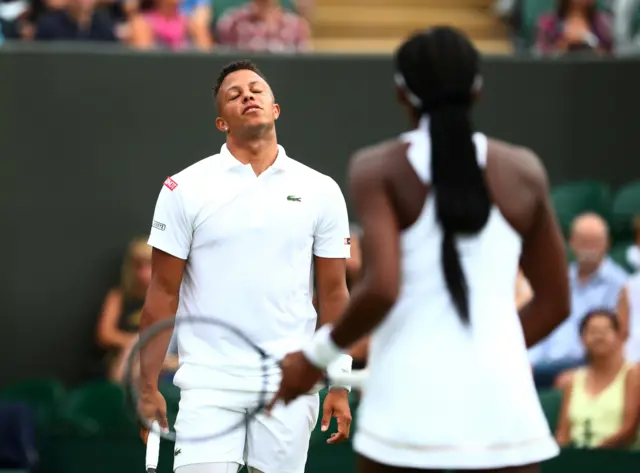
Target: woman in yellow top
point(601, 402)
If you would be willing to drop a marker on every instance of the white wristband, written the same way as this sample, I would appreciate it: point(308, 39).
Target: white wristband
point(342, 365)
point(321, 350)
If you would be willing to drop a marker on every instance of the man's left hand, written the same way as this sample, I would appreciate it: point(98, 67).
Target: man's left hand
point(336, 404)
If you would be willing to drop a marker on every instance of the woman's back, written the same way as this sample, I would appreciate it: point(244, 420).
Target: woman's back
point(439, 370)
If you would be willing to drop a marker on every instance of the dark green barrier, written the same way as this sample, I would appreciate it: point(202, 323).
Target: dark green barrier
point(88, 135)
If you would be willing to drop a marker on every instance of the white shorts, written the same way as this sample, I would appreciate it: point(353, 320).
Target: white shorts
point(275, 444)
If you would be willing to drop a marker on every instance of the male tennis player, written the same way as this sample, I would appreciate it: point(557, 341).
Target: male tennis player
point(237, 237)
point(447, 214)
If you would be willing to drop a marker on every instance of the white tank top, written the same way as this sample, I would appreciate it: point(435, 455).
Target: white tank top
point(422, 353)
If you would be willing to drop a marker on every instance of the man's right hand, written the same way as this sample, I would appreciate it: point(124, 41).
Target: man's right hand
point(152, 406)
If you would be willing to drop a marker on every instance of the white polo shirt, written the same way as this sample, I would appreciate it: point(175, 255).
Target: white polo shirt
point(249, 243)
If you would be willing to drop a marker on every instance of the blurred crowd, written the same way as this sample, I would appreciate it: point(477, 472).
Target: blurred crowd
point(545, 27)
point(556, 27)
point(255, 25)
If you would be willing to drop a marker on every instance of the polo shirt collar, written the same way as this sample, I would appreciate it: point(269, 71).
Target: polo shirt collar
point(227, 161)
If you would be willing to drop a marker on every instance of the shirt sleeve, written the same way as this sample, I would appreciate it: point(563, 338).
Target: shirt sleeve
point(171, 230)
point(331, 237)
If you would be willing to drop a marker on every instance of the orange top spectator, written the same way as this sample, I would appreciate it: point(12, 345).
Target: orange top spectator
point(263, 25)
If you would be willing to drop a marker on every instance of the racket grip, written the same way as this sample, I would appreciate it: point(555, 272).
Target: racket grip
point(153, 448)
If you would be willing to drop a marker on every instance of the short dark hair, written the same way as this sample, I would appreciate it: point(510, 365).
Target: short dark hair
point(242, 65)
point(612, 316)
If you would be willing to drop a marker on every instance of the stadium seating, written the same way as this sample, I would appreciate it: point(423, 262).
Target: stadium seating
point(572, 199)
point(124, 453)
point(551, 400)
point(101, 403)
point(626, 206)
point(44, 396)
point(378, 26)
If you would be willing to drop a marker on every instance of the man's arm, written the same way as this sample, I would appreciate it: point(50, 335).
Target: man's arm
point(331, 248)
point(161, 303)
point(333, 294)
point(379, 286)
point(170, 237)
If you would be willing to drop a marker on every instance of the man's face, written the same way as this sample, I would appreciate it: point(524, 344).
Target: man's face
point(589, 246)
point(246, 104)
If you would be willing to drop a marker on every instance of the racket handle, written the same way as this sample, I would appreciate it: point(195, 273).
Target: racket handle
point(153, 448)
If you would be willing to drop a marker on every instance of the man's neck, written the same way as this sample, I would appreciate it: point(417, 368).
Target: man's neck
point(260, 152)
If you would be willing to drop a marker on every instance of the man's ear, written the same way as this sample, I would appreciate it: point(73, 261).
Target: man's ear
point(222, 125)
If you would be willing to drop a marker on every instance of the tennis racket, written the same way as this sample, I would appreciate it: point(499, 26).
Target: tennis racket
point(268, 363)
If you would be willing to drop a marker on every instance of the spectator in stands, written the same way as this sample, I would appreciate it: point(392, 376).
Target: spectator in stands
point(601, 402)
point(263, 25)
point(166, 26)
point(596, 282)
point(629, 318)
point(153, 21)
point(78, 20)
point(120, 317)
point(625, 25)
point(577, 25)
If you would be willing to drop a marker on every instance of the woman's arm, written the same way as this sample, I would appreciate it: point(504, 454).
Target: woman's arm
point(563, 430)
point(108, 334)
point(630, 416)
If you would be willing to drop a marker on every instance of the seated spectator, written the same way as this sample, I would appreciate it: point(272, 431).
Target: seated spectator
point(596, 282)
point(152, 23)
point(577, 25)
point(164, 26)
point(120, 317)
point(629, 318)
point(263, 25)
point(78, 20)
point(601, 401)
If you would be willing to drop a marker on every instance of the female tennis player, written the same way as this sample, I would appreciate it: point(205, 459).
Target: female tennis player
point(447, 216)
